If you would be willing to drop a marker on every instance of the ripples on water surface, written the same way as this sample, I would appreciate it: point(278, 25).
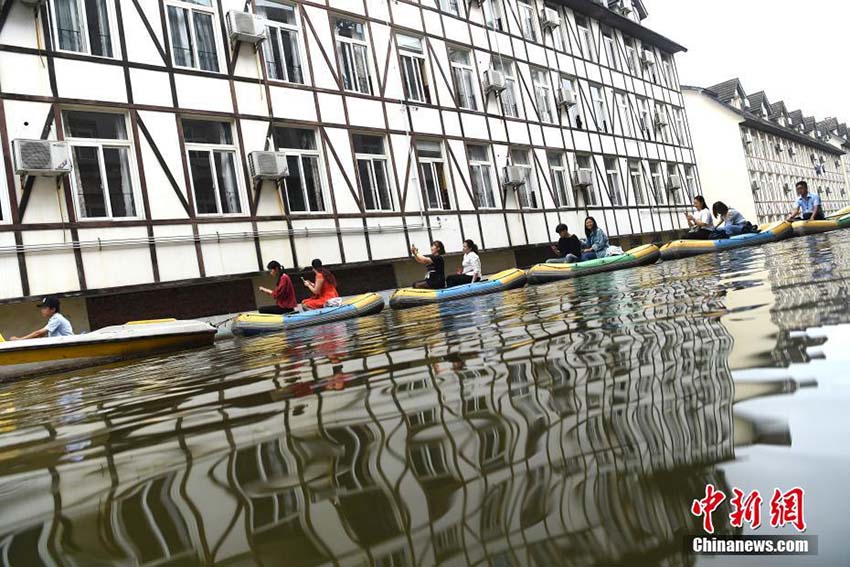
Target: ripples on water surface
point(567, 424)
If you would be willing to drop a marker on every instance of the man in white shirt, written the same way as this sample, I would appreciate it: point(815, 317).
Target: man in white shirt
point(57, 325)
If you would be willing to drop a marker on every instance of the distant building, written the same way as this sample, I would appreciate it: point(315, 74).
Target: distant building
point(751, 152)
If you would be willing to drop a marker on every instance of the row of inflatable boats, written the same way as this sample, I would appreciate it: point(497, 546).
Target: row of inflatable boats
point(142, 338)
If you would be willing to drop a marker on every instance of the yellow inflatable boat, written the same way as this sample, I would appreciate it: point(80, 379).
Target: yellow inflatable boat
point(410, 297)
point(840, 219)
point(640, 256)
point(250, 324)
point(770, 232)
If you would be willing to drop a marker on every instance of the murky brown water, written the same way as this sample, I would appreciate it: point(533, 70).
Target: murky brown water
point(567, 424)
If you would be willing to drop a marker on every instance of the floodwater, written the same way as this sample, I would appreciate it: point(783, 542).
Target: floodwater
point(567, 424)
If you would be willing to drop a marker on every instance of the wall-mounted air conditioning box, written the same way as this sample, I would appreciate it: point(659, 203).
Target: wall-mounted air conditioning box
point(494, 81)
point(243, 26)
point(674, 183)
point(49, 158)
point(566, 98)
point(582, 178)
point(661, 120)
point(267, 165)
point(549, 18)
point(646, 59)
point(512, 176)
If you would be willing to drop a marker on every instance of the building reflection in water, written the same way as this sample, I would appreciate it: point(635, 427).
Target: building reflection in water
point(557, 440)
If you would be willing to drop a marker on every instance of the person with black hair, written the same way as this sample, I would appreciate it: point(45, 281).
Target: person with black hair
point(57, 325)
point(321, 283)
point(568, 249)
point(732, 223)
point(701, 224)
point(470, 270)
point(807, 206)
point(283, 293)
point(595, 245)
point(435, 265)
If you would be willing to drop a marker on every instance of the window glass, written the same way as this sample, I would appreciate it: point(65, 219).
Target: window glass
point(207, 132)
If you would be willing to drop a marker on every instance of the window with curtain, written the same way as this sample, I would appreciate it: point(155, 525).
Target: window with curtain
point(560, 178)
point(464, 78)
point(353, 55)
point(212, 165)
point(413, 74)
point(527, 192)
point(432, 176)
point(527, 20)
point(481, 174)
point(542, 94)
point(191, 27)
point(102, 179)
point(371, 158)
point(83, 26)
point(281, 49)
point(507, 97)
point(303, 185)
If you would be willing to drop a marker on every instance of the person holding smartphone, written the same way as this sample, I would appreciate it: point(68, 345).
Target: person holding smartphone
point(435, 266)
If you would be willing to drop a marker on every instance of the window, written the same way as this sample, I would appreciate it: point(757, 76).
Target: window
point(574, 112)
point(681, 132)
point(585, 38)
point(303, 185)
point(353, 56)
point(480, 171)
point(542, 95)
point(371, 159)
point(658, 189)
point(450, 6)
point(100, 150)
point(645, 117)
point(560, 178)
point(83, 26)
point(612, 174)
point(583, 163)
point(432, 174)
point(192, 31)
point(610, 44)
point(463, 76)
point(494, 15)
point(662, 122)
point(670, 73)
point(212, 165)
point(508, 96)
point(527, 192)
point(636, 176)
point(600, 107)
point(526, 20)
point(625, 115)
point(632, 56)
point(676, 194)
point(557, 32)
point(413, 76)
point(281, 50)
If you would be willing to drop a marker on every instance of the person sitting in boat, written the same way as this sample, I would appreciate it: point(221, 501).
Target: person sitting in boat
point(57, 324)
point(595, 245)
point(283, 293)
point(807, 206)
point(568, 248)
point(731, 222)
point(434, 264)
point(701, 223)
point(321, 283)
point(470, 270)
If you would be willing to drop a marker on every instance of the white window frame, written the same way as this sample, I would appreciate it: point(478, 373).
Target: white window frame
point(100, 144)
point(681, 130)
point(609, 40)
point(645, 117)
point(451, 7)
point(296, 28)
point(527, 19)
point(632, 59)
point(494, 14)
point(585, 38)
point(483, 171)
point(436, 166)
point(300, 154)
point(673, 169)
point(615, 186)
point(557, 32)
point(506, 66)
point(383, 160)
point(561, 182)
point(191, 8)
point(622, 101)
point(574, 112)
point(340, 44)
point(659, 183)
point(543, 94)
point(600, 107)
point(418, 83)
point(211, 149)
point(467, 72)
point(669, 71)
point(637, 181)
point(527, 195)
point(592, 193)
point(84, 30)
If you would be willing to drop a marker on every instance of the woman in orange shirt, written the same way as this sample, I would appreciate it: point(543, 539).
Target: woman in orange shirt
point(323, 288)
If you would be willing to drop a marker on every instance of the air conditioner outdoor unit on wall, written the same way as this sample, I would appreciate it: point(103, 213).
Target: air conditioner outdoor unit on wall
point(748, 138)
point(494, 81)
point(674, 183)
point(243, 26)
point(646, 59)
point(49, 158)
point(566, 98)
point(549, 18)
point(512, 176)
point(267, 165)
point(786, 188)
point(755, 185)
point(582, 179)
point(660, 120)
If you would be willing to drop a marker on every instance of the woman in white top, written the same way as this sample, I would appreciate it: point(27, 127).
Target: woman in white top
point(701, 222)
point(470, 270)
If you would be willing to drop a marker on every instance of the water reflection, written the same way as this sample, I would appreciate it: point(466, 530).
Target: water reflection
point(569, 424)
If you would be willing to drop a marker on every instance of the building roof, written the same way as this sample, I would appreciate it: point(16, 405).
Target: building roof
point(796, 117)
point(809, 123)
point(758, 100)
point(727, 90)
point(777, 109)
point(597, 11)
point(828, 124)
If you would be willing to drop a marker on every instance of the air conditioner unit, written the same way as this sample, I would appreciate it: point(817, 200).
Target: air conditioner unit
point(49, 158)
point(582, 178)
point(243, 26)
point(674, 183)
point(549, 18)
point(620, 7)
point(512, 176)
point(566, 98)
point(494, 81)
point(646, 59)
point(786, 187)
point(661, 120)
point(792, 151)
point(822, 159)
point(267, 165)
point(755, 185)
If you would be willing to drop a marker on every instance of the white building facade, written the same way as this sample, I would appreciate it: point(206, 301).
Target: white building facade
point(397, 122)
point(752, 153)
